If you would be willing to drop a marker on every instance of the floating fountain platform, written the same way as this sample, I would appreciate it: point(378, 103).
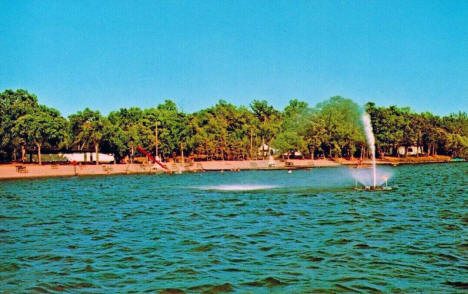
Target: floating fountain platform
point(376, 188)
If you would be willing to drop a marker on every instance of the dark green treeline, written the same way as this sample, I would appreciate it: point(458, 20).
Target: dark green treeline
point(331, 128)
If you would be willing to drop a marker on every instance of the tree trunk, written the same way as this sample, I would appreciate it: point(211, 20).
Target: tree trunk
point(406, 151)
point(182, 153)
point(14, 154)
point(263, 148)
point(39, 157)
point(96, 148)
point(23, 154)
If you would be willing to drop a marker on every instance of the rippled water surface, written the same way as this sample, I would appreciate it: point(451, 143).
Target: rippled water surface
point(246, 232)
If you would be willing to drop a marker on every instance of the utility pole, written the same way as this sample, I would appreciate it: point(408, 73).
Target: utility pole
point(250, 143)
point(156, 141)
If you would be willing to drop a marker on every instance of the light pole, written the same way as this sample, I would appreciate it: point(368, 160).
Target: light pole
point(156, 141)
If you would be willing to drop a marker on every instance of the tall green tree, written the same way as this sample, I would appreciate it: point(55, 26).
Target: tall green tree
point(294, 122)
point(89, 127)
point(342, 118)
point(14, 105)
point(269, 119)
point(44, 126)
point(315, 133)
point(135, 130)
point(173, 129)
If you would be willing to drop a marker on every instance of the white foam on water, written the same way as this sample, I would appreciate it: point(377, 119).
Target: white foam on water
point(237, 187)
point(365, 176)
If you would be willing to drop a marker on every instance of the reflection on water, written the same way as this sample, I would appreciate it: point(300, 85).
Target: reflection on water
point(301, 232)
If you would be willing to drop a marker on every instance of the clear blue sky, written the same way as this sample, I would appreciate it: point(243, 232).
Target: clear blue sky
point(112, 54)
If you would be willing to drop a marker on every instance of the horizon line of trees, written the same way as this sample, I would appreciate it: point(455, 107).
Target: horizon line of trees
point(332, 128)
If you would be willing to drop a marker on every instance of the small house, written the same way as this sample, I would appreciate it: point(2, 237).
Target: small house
point(266, 150)
point(412, 150)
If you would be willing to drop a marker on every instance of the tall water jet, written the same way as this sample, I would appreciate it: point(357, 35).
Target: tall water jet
point(371, 142)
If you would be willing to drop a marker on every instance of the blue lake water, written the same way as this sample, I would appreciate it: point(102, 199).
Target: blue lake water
point(245, 232)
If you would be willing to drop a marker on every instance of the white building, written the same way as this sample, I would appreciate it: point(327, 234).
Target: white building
point(88, 157)
point(412, 150)
point(267, 150)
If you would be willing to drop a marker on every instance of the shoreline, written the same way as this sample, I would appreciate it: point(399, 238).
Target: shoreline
point(24, 171)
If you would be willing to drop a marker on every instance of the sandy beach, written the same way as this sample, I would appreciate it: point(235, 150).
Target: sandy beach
point(18, 171)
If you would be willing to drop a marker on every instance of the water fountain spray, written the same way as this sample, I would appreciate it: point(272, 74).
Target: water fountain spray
point(371, 142)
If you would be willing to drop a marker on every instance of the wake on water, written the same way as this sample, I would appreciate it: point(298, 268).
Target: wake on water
point(238, 187)
point(317, 179)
